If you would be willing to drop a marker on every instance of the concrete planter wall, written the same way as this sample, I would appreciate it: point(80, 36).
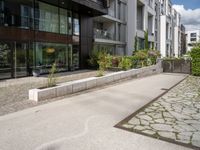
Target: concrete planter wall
point(85, 84)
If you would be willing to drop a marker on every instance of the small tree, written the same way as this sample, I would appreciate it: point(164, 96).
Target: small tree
point(51, 78)
point(146, 40)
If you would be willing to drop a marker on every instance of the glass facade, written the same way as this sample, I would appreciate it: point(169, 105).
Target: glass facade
point(36, 34)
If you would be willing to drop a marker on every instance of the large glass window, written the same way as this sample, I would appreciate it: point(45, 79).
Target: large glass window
point(26, 16)
point(42, 17)
point(46, 18)
point(18, 58)
point(49, 53)
point(76, 25)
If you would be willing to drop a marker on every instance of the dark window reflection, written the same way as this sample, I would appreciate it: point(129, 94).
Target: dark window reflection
point(76, 25)
point(44, 17)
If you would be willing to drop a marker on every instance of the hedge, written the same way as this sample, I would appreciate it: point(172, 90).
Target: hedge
point(195, 54)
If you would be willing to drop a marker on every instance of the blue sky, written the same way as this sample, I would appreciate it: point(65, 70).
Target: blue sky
point(189, 4)
point(190, 12)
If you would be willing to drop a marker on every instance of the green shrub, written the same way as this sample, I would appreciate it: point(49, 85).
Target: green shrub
point(94, 57)
point(104, 62)
point(141, 56)
point(125, 63)
point(152, 56)
point(195, 54)
point(116, 61)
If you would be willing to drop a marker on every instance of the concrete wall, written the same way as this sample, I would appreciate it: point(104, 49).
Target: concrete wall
point(131, 25)
point(85, 84)
point(163, 36)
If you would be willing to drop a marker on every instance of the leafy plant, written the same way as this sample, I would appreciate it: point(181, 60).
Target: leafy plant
point(141, 56)
point(153, 55)
point(51, 77)
point(94, 57)
point(125, 63)
point(195, 54)
point(104, 62)
point(115, 61)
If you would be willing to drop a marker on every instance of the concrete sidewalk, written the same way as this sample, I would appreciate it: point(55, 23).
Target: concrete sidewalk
point(85, 122)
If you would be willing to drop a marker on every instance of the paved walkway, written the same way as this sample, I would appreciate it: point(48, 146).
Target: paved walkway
point(173, 117)
point(15, 91)
point(86, 122)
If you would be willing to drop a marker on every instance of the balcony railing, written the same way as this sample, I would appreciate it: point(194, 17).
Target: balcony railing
point(103, 34)
point(105, 3)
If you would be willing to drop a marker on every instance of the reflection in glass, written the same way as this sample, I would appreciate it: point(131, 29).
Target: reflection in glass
point(5, 60)
point(46, 18)
point(21, 59)
point(76, 25)
point(75, 56)
point(49, 53)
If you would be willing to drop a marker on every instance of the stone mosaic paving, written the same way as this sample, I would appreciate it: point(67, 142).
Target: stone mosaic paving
point(174, 117)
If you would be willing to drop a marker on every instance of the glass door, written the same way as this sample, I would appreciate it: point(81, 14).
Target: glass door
point(5, 61)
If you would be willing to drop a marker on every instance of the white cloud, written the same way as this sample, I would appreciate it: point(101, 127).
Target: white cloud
point(189, 17)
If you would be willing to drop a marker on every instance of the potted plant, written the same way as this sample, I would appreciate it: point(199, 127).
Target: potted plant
point(36, 72)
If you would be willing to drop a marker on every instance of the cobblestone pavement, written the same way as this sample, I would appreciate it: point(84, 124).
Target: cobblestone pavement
point(174, 117)
point(14, 92)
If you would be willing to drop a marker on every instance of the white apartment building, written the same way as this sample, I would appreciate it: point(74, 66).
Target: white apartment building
point(166, 38)
point(192, 37)
point(143, 16)
point(176, 24)
point(110, 31)
point(128, 20)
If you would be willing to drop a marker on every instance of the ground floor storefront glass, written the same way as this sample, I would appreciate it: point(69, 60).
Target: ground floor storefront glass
point(19, 59)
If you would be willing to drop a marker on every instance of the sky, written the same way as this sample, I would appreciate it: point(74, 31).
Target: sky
point(190, 12)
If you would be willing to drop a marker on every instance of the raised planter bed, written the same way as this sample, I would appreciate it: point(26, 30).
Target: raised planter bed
point(89, 83)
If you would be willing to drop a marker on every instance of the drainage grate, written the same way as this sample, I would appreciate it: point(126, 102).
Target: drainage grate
point(164, 89)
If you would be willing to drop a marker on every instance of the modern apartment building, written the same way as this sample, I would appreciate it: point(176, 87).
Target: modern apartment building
point(110, 31)
point(37, 33)
point(193, 37)
point(34, 34)
point(166, 37)
point(147, 21)
point(143, 16)
point(176, 34)
point(126, 21)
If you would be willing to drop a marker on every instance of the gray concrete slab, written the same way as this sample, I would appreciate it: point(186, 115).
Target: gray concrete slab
point(85, 122)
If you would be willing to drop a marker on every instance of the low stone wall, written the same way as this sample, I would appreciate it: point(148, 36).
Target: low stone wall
point(89, 83)
point(177, 66)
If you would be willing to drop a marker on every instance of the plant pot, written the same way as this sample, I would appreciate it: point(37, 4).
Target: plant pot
point(36, 73)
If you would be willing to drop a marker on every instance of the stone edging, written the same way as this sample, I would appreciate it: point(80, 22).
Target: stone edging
point(89, 83)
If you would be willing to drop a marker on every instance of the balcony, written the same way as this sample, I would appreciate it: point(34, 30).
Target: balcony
point(103, 34)
point(93, 7)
